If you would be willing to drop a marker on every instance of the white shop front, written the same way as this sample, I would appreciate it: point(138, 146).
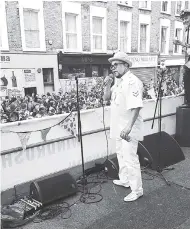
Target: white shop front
point(27, 73)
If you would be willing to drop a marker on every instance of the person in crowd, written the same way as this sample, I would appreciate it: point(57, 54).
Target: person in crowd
point(30, 104)
point(23, 112)
point(42, 111)
point(52, 111)
point(185, 16)
point(14, 117)
point(4, 118)
point(126, 122)
point(36, 109)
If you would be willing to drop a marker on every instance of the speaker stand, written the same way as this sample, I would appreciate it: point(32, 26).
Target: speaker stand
point(159, 101)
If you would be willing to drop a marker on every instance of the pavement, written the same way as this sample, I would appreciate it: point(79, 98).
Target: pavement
point(163, 206)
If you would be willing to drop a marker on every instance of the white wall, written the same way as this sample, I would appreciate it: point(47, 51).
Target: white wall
point(23, 166)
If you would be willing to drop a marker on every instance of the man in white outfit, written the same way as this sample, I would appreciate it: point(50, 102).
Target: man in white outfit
point(126, 122)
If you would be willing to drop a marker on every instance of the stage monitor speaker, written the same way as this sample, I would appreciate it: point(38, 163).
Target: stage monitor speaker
point(53, 187)
point(112, 168)
point(159, 150)
point(183, 126)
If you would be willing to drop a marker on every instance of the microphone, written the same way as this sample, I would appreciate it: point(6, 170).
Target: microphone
point(108, 80)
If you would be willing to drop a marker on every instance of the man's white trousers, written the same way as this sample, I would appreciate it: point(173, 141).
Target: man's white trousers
point(129, 166)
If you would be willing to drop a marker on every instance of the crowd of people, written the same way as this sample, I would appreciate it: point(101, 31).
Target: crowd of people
point(169, 84)
point(35, 106)
point(17, 108)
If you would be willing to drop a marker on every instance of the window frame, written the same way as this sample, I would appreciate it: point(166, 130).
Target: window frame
point(71, 33)
point(52, 76)
point(148, 5)
point(33, 5)
point(145, 25)
point(165, 23)
point(102, 13)
point(188, 5)
point(182, 7)
point(125, 39)
point(144, 19)
point(168, 9)
point(125, 16)
point(97, 34)
point(5, 42)
point(165, 28)
point(178, 25)
point(72, 8)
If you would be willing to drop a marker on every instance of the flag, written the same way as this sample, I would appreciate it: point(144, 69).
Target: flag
point(69, 124)
point(44, 133)
point(24, 137)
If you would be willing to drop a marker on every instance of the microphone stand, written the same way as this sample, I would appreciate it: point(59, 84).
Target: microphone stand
point(83, 180)
point(159, 101)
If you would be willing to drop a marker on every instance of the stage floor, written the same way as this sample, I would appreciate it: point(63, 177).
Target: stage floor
point(161, 207)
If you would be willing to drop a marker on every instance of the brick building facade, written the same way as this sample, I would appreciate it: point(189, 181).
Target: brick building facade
point(142, 29)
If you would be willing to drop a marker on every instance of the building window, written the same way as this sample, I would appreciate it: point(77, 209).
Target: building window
point(124, 31)
point(97, 33)
point(72, 71)
point(164, 36)
point(143, 37)
point(144, 33)
point(98, 26)
point(71, 30)
point(32, 25)
point(143, 4)
point(30, 91)
point(178, 35)
point(166, 7)
point(48, 75)
point(95, 70)
point(163, 39)
point(123, 36)
point(179, 7)
point(72, 37)
point(31, 28)
point(3, 28)
point(187, 4)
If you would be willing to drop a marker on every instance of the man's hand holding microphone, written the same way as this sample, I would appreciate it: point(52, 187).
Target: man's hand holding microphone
point(108, 80)
point(107, 86)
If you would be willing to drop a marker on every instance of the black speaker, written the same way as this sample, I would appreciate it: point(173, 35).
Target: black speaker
point(159, 150)
point(112, 168)
point(183, 126)
point(53, 187)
